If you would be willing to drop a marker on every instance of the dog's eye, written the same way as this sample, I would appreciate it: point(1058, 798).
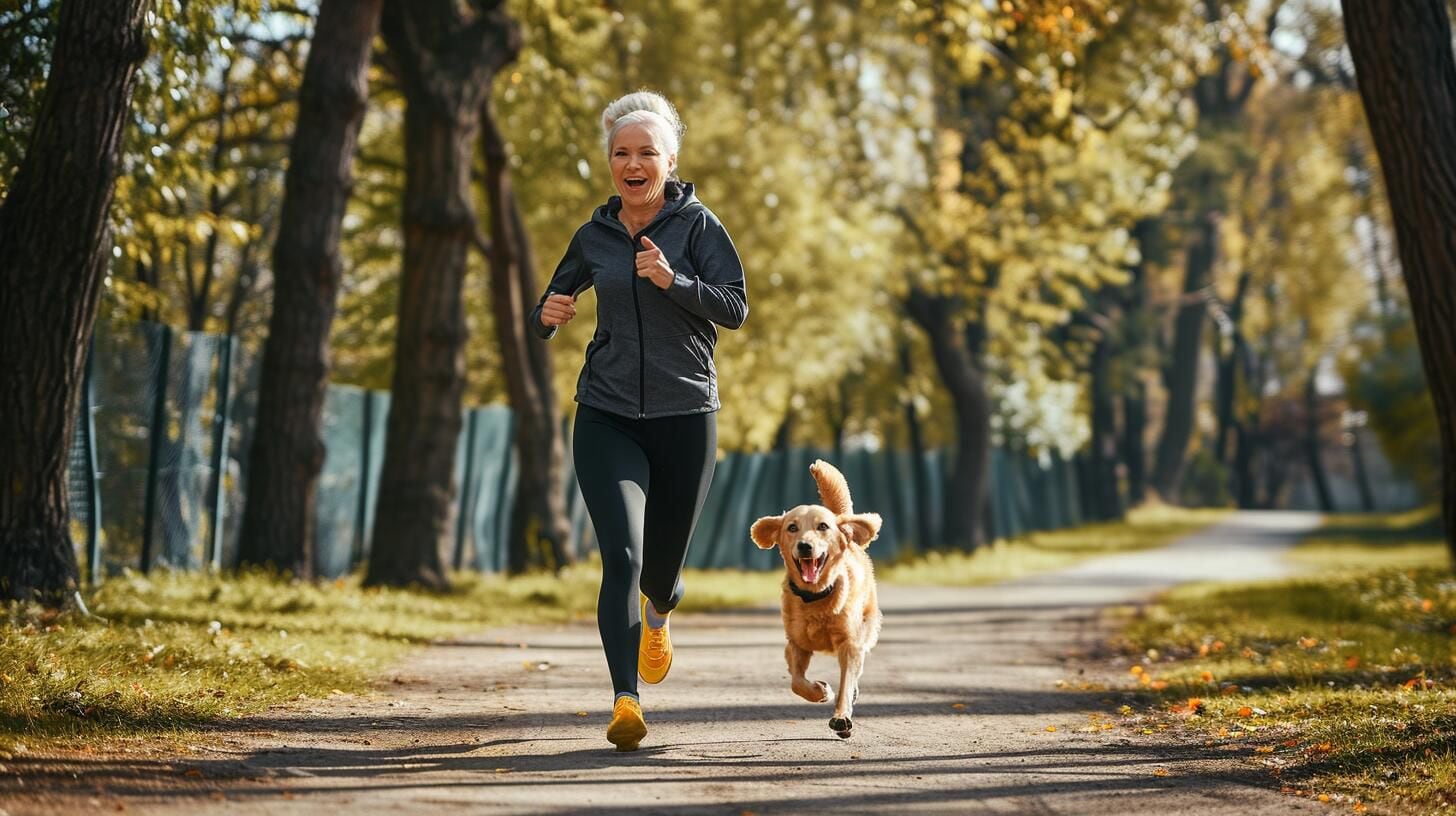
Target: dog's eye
point(793, 528)
point(823, 527)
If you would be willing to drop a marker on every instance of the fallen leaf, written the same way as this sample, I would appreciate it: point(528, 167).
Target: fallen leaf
point(1135, 670)
point(1206, 677)
point(1162, 772)
point(1352, 662)
point(958, 706)
point(1159, 685)
point(193, 772)
point(1427, 605)
point(1324, 797)
point(1051, 728)
point(1246, 712)
point(1265, 749)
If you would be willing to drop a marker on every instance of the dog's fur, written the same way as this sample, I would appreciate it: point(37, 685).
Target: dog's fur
point(846, 623)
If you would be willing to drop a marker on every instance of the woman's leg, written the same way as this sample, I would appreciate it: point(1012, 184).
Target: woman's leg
point(612, 469)
point(682, 451)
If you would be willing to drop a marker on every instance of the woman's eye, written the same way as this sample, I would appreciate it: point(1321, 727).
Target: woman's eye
point(823, 526)
point(793, 528)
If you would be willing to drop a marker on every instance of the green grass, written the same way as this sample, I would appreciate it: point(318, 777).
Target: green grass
point(1144, 528)
point(167, 653)
point(1340, 683)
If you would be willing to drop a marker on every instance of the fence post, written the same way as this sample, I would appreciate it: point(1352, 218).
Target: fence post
point(93, 526)
point(361, 512)
point(159, 431)
point(220, 450)
point(462, 517)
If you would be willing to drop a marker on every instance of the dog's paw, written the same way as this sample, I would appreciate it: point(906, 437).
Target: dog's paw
point(842, 726)
point(823, 692)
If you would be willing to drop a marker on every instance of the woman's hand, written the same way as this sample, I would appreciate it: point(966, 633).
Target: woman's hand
point(652, 265)
point(558, 310)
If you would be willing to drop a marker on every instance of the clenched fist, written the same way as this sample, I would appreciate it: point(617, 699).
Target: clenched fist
point(558, 310)
point(652, 265)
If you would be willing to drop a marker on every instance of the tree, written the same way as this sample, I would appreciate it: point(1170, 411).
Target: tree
point(54, 247)
point(1407, 77)
point(539, 533)
point(444, 56)
point(287, 452)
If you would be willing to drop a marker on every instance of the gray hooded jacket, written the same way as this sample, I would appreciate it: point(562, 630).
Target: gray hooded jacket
point(652, 354)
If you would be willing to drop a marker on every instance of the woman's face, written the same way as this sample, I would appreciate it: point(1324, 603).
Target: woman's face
point(640, 165)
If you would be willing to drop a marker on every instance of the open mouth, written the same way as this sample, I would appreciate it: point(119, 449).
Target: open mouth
point(635, 182)
point(810, 568)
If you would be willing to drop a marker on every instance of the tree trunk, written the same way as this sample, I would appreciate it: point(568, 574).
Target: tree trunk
point(287, 452)
point(916, 439)
point(1103, 490)
point(445, 54)
point(1181, 374)
point(1137, 342)
point(955, 355)
point(539, 534)
point(1407, 77)
point(1242, 475)
point(1362, 476)
point(1312, 446)
point(1227, 386)
point(54, 249)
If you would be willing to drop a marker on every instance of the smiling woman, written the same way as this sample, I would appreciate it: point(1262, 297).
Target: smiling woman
point(667, 276)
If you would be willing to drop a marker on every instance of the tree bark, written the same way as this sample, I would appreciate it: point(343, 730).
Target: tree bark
point(1103, 491)
point(1181, 374)
point(916, 439)
point(956, 358)
point(54, 249)
point(445, 55)
point(288, 453)
point(539, 533)
point(1312, 447)
point(1407, 77)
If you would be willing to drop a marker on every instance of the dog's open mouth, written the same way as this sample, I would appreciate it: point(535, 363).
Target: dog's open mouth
point(809, 568)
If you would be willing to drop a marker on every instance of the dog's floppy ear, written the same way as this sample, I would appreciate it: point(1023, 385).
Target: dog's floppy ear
point(861, 528)
point(765, 532)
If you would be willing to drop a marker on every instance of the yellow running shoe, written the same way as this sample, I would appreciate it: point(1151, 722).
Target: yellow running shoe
point(627, 728)
point(654, 651)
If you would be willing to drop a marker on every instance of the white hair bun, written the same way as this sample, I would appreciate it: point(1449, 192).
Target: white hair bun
point(638, 102)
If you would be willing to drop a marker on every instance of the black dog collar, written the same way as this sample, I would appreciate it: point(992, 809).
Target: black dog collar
point(811, 597)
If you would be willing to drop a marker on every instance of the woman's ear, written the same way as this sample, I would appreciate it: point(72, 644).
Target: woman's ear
point(861, 528)
point(765, 532)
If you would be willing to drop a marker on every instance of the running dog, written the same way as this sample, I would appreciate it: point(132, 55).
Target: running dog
point(829, 600)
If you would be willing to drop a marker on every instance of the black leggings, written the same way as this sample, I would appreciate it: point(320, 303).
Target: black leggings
point(644, 481)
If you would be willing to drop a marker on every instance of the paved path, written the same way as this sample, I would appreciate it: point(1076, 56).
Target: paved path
point(953, 718)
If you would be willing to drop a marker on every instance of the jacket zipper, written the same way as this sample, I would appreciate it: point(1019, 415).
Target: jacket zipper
point(641, 346)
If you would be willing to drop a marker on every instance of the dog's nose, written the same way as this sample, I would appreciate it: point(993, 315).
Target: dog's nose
point(804, 549)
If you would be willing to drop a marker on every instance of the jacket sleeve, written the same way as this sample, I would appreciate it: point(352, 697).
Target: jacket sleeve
point(717, 293)
point(572, 277)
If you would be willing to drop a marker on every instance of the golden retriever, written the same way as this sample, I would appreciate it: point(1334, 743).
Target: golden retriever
point(829, 601)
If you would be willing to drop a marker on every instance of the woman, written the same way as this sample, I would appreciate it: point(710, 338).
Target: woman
point(645, 441)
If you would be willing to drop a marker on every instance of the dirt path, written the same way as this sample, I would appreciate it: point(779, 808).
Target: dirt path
point(954, 717)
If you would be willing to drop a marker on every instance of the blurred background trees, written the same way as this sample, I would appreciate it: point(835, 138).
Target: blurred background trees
point(1147, 236)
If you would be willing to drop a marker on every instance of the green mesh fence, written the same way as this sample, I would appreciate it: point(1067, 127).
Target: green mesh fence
point(159, 466)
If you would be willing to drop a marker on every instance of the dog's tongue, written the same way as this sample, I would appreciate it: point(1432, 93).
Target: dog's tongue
point(809, 569)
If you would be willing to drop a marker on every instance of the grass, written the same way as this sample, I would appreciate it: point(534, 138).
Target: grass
point(1340, 683)
point(166, 653)
point(1145, 528)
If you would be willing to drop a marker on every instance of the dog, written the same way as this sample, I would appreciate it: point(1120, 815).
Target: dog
point(829, 600)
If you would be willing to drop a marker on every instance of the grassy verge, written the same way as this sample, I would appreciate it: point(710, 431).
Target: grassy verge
point(1144, 528)
point(1341, 683)
point(166, 653)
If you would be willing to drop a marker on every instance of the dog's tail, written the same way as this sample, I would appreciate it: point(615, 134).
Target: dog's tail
point(833, 489)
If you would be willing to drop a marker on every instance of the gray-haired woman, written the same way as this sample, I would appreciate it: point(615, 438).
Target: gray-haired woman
point(666, 275)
